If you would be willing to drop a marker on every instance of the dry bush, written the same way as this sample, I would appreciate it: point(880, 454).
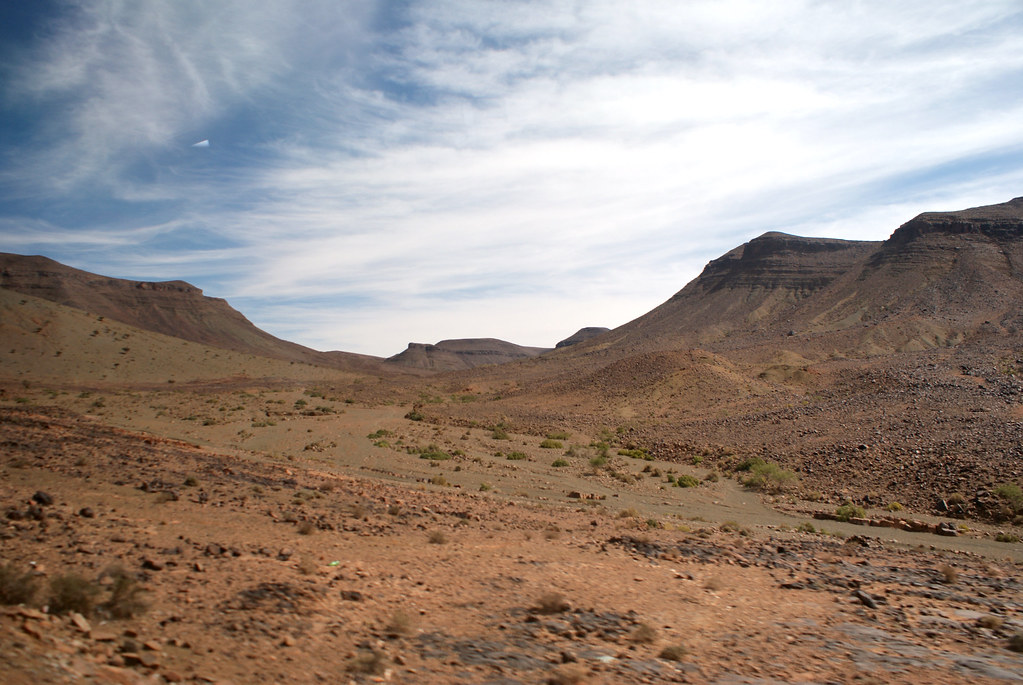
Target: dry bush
point(674, 653)
point(16, 587)
point(714, 584)
point(125, 599)
point(306, 528)
point(551, 603)
point(399, 625)
point(70, 592)
point(568, 674)
point(949, 575)
point(368, 662)
point(644, 634)
point(437, 537)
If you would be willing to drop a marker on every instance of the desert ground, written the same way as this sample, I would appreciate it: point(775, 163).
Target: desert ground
point(295, 534)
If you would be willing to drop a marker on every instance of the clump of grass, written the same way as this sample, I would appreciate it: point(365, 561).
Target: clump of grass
point(598, 461)
point(733, 527)
point(125, 599)
point(399, 625)
point(644, 634)
point(437, 537)
point(367, 662)
point(70, 592)
point(949, 575)
point(306, 528)
point(894, 506)
point(549, 444)
point(552, 603)
point(440, 480)
point(686, 481)
point(990, 622)
point(484, 487)
point(628, 513)
point(191, 482)
point(16, 587)
point(636, 453)
point(559, 435)
point(516, 456)
point(674, 653)
point(558, 463)
point(414, 415)
point(806, 527)
point(1002, 536)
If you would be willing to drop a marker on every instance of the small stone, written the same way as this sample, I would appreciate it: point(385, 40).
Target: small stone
point(151, 564)
point(80, 622)
point(865, 599)
point(288, 641)
point(285, 553)
point(87, 513)
point(43, 498)
point(172, 676)
point(351, 595)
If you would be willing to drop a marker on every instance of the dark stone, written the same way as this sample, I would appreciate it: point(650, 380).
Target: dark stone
point(42, 498)
point(865, 598)
point(351, 595)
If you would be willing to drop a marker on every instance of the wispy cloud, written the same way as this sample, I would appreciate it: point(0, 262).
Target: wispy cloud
point(433, 170)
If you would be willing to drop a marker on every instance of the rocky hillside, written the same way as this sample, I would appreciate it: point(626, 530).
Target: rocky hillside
point(940, 279)
point(468, 353)
point(173, 308)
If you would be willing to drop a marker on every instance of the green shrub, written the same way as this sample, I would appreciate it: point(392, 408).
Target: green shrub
point(549, 444)
point(638, 453)
point(849, 510)
point(686, 481)
point(500, 434)
point(1011, 494)
point(433, 453)
point(766, 476)
point(558, 463)
point(414, 415)
point(598, 461)
point(894, 506)
point(516, 456)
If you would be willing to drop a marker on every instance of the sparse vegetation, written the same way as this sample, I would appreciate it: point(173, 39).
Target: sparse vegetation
point(687, 481)
point(549, 444)
point(766, 476)
point(674, 653)
point(16, 587)
point(125, 599)
point(516, 456)
point(849, 510)
point(71, 592)
point(551, 603)
point(558, 463)
point(437, 537)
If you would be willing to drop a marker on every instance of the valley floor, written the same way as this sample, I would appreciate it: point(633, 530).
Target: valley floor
point(293, 547)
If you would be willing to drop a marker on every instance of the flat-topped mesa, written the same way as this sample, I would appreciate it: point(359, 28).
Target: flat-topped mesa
point(1001, 222)
point(779, 260)
point(462, 353)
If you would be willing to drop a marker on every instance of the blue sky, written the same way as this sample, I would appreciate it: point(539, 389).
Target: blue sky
point(387, 172)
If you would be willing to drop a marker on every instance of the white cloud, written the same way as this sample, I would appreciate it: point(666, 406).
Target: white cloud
point(514, 169)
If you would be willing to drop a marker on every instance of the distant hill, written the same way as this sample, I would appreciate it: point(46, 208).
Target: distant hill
point(172, 308)
point(581, 335)
point(468, 353)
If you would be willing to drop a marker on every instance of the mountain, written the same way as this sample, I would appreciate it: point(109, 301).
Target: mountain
point(468, 353)
point(940, 279)
point(173, 308)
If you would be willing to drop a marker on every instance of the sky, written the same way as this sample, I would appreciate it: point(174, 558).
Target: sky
point(379, 173)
